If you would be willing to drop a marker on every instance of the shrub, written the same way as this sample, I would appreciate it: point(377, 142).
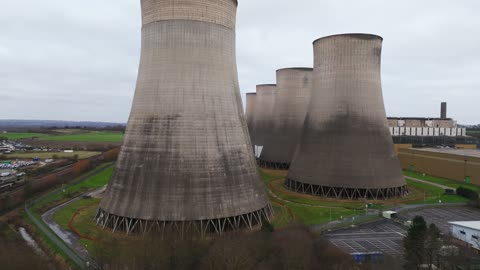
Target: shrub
point(467, 193)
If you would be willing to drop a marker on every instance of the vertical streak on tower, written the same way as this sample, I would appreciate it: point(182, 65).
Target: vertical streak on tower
point(346, 150)
point(250, 114)
point(186, 160)
point(294, 86)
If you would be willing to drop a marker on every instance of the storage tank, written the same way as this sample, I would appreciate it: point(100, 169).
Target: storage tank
point(346, 150)
point(186, 161)
point(294, 86)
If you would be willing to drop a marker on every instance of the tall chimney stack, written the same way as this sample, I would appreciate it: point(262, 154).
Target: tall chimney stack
point(443, 113)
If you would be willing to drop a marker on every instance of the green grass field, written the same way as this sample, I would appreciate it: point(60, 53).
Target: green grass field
point(70, 136)
point(94, 182)
point(17, 136)
point(46, 155)
point(63, 216)
point(442, 181)
point(434, 194)
point(93, 136)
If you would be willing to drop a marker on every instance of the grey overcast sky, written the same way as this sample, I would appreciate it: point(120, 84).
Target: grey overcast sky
point(78, 60)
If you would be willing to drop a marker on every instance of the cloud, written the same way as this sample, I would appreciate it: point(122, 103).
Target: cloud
point(78, 60)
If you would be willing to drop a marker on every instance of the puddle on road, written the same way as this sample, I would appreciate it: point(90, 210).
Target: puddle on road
point(30, 241)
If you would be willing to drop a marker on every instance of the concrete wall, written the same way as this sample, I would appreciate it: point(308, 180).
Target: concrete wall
point(466, 235)
point(294, 86)
point(345, 141)
point(250, 114)
point(420, 122)
point(451, 166)
point(186, 154)
point(263, 119)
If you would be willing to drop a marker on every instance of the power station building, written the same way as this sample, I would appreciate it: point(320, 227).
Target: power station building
point(346, 150)
point(186, 161)
point(294, 86)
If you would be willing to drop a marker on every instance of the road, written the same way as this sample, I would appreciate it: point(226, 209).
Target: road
point(71, 239)
point(65, 241)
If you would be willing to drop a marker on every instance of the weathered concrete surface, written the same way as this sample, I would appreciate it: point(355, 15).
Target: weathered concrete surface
point(250, 114)
point(345, 141)
point(263, 121)
point(294, 86)
point(186, 154)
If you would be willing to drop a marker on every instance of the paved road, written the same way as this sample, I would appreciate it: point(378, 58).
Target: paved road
point(429, 183)
point(70, 238)
point(58, 236)
point(59, 243)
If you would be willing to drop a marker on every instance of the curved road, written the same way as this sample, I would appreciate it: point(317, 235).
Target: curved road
point(64, 240)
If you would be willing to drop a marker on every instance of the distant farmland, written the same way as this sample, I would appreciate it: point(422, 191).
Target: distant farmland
point(83, 136)
point(94, 136)
point(16, 136)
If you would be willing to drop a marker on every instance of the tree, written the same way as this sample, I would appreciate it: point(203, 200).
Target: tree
point(414, 243)
point(433, 244)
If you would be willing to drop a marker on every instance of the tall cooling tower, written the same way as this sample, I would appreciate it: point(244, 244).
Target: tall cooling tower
point(250, 114)
point(294, 86)
point(346, 150)
point(263, 122)
point(186, 161)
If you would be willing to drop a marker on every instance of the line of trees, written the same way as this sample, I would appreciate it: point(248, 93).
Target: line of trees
point(426, 248)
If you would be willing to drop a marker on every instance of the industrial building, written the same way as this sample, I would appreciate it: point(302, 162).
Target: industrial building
point(466, 231)
point(424, 131)
point(186, 161)
point(263, 119)
point(456, 164)
point(294, 86)
point(250, 114)
point(346, 150)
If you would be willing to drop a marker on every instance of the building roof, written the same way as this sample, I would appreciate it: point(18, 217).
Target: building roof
point(452, 151)
point(467, 224)
point(419, 118)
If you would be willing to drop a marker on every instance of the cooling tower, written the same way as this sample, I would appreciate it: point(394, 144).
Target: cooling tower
point(263, 122)
point(250, 114)
point(294, 86)
point(346, 150)
point(186, 161)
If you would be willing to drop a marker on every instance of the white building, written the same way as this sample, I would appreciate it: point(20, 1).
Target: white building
point(467, 231)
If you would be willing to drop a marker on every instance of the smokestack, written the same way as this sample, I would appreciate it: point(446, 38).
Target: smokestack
point(346, 150)
point(443, 112)
point(186, 161)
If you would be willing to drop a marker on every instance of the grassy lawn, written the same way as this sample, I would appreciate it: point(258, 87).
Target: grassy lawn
point(92, 136)
point(282, 217)
point(442, 181)
point(46, 155)
point(63, 216)
point(94, 182)
point(434, 194)
point(25, 135)
point(311, 215)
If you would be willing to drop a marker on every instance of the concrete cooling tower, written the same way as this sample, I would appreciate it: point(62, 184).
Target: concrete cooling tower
point(250, 114)
point(186, 162)
point(294, 86)
point(346, 150)
point(263, 122)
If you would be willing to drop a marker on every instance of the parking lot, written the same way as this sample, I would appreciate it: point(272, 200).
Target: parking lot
point(16, 164)
point(441, 216)
point(383, 236)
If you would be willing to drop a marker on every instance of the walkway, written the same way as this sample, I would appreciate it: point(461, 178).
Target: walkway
point(430, 183)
